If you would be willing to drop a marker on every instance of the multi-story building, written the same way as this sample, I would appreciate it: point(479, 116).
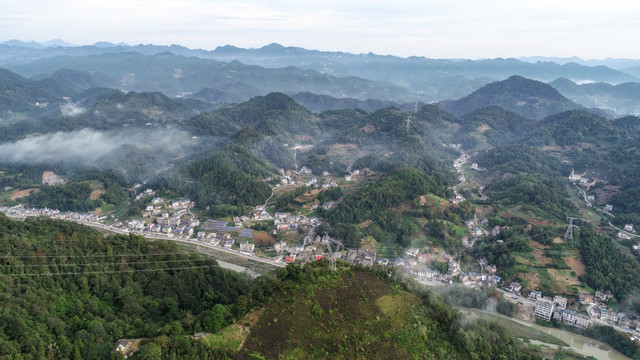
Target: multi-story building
point(544, 309)
point(561, 302)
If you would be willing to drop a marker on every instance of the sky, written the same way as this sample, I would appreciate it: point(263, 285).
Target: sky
point(437, 29)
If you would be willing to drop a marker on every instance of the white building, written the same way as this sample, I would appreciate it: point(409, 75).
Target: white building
point(412, 251)
point(583, 321)
point(245, 246)
point(569, 317)
point(535, 294)
point(561, 302)
point(544, 309)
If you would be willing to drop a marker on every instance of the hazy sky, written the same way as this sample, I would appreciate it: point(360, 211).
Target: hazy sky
point(437, 29)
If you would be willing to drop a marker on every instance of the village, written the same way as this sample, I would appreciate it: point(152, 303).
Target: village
point(173, 219)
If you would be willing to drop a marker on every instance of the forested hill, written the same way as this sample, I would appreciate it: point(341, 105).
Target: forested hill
point(272, 114)
point(18, 94)
point(574, 127)
point(68, 292)
point(361, 314)
point(529, 98)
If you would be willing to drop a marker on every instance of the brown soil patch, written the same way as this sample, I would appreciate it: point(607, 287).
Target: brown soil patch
point(406, 206)
point(562, 279)
point(95, 194)
point(368, 128)
point(262, 237)
point(538, 253)
point(306, 197)
point(369, 243)
point(551, 148)
point(540, 222)
point(98, 211)
point(348, 151)
point(540, 258)
point(366, 224)
point(426, 200)
point(537, 245)
point(558, 240)
point(483, 128)
point(523, 261)
point(533, 280)
point(340, 148)
point(17, 194)
point(251, 317)
point(575, 263)
point(303, 138)
point(286, 188)
point(524, 312)
point(603, 194)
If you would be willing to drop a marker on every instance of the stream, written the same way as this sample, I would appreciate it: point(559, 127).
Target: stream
point(579, 344)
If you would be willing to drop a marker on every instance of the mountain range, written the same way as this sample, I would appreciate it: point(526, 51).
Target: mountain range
point(232, 74)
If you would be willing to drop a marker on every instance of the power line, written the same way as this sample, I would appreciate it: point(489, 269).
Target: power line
point(109, 271)
point(103, 263)
point(86, 255)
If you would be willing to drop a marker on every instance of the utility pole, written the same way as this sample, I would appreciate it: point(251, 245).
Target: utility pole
point(568, 236)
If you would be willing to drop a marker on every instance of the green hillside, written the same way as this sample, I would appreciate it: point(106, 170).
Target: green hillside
point(361, 314)
point(529, 98)
point(68, 292)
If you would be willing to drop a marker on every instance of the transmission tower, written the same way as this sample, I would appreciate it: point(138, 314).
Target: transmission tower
point(415, 110)
point(568, 236)
point(332, 259)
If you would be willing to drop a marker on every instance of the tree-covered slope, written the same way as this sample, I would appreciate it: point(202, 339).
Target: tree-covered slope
point(573, 127)
point(68, 292)
point(529, 98)
point(272, 114)
point(357, 313)
point(18, 94)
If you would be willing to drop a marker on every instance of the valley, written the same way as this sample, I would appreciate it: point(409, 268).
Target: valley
point(510, 195)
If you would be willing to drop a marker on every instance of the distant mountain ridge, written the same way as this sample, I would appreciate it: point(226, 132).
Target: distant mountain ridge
point(18, 94)
point(177, 75)
point(320, 103)
point(424, 79)
point(529, 98)
point(622, 98)
point(614, 63)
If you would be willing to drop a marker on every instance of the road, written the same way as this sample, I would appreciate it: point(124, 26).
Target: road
point(624, 231)
point(184, 241)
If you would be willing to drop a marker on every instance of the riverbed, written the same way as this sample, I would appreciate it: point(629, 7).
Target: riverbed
point(579, 344)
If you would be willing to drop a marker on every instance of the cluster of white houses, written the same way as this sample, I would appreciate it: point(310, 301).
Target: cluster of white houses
point(22, 211)
point(556, 308)
point(286, 221)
